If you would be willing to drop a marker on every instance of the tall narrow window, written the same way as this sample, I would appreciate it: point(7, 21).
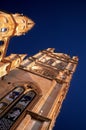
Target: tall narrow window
point(10, 97)
point(12, 115)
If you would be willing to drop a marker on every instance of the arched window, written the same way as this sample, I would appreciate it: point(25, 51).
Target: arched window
point(61, 65)
point(50, 61)
point(1, 43)
point(10, 97)
point(12, 115)
point(26, 99)
point(49, 74)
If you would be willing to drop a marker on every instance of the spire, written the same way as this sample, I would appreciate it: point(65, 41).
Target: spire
point(24, 24)
point(12, 25)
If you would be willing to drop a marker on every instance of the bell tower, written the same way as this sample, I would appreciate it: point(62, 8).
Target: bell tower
point(32, 90)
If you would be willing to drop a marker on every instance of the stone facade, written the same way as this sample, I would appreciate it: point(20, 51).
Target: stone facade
point(32, 90)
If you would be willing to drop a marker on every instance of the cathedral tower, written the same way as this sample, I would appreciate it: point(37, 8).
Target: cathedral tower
point(32, 90)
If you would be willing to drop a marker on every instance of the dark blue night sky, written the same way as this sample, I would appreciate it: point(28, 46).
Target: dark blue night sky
point(61, 25)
